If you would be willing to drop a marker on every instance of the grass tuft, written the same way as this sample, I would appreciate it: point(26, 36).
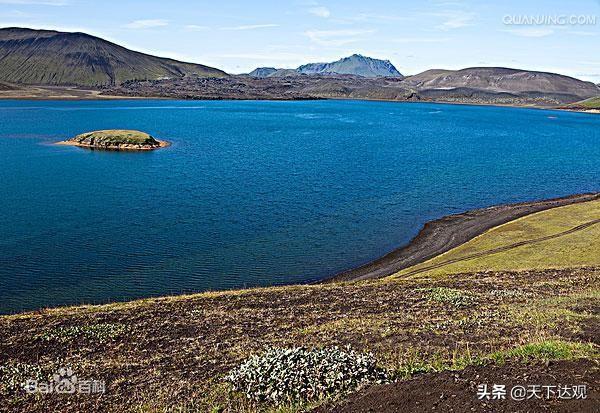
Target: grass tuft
point(102, 332)
point(456, 298)
point(545, 351)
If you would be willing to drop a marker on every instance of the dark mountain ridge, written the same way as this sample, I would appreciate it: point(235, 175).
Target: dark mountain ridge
point(48, 57)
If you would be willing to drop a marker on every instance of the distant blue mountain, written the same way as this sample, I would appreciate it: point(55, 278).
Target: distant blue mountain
point(356, 64)
point(262, 72)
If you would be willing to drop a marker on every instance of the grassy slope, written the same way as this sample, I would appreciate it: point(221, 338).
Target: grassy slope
point(564, 251)
point(41, 57)
point(171, 353)
point(591, 103)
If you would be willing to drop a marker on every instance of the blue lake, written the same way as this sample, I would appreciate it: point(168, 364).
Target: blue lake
point(255, 193)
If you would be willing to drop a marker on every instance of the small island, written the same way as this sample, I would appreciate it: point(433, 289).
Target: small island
point(116, 139)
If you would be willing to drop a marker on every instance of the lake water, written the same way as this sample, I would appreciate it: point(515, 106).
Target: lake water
point(256, 193)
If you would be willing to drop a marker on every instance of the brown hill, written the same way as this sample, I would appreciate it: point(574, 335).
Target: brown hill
point(499, 80)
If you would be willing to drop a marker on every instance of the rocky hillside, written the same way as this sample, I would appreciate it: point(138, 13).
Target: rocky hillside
point(355, 77)
point(45, 57)
point(502, 80)
point(328, 86)
point(6, 86)
point(356, 65)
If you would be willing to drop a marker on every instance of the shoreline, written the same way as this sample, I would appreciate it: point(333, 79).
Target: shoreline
point(96, 95)
point(443, 234)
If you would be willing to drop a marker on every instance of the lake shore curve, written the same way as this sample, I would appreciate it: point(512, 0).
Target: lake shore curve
point(443, 234)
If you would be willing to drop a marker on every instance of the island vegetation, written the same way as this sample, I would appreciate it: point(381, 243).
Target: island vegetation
point(116, 139)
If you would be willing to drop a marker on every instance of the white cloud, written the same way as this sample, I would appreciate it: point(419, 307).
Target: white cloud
point(456, 20)
point(195, 28)
point(384, 17)
point(146, 24)
point(268, 56)
point(531, 32)
point(449, 4)
point(18, 14)
point(320, 11)
point(250, 27)
point(336, 37)
point(37, 2)
point(421, 39)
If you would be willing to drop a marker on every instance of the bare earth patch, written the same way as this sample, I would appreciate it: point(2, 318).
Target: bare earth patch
point(452, 391)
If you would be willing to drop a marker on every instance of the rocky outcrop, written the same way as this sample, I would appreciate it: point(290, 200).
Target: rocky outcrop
point(356, 65)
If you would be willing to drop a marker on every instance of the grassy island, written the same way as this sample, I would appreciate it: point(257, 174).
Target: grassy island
point(116, 139)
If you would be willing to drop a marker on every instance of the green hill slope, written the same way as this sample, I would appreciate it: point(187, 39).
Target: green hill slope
point(558, 238)
point(591, 103)
point(44, 57)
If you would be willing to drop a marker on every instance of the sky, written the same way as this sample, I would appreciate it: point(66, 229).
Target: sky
point(238, 36)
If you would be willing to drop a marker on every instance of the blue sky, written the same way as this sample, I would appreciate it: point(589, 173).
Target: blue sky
point(238, 36)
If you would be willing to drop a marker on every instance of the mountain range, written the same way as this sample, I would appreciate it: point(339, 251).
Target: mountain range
point(31, 60)
point(47, 57)
point(356, 64)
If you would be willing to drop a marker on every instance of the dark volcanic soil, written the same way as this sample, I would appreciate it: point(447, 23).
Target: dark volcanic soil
point(174, 350)
point(457, 391)
point(337, 87)
point(448, 232)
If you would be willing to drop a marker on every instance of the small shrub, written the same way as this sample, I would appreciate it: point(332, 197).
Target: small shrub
point(287, 375)
point(510, 293)
point(450, 296)
point(97, 332)
point(14, 376)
